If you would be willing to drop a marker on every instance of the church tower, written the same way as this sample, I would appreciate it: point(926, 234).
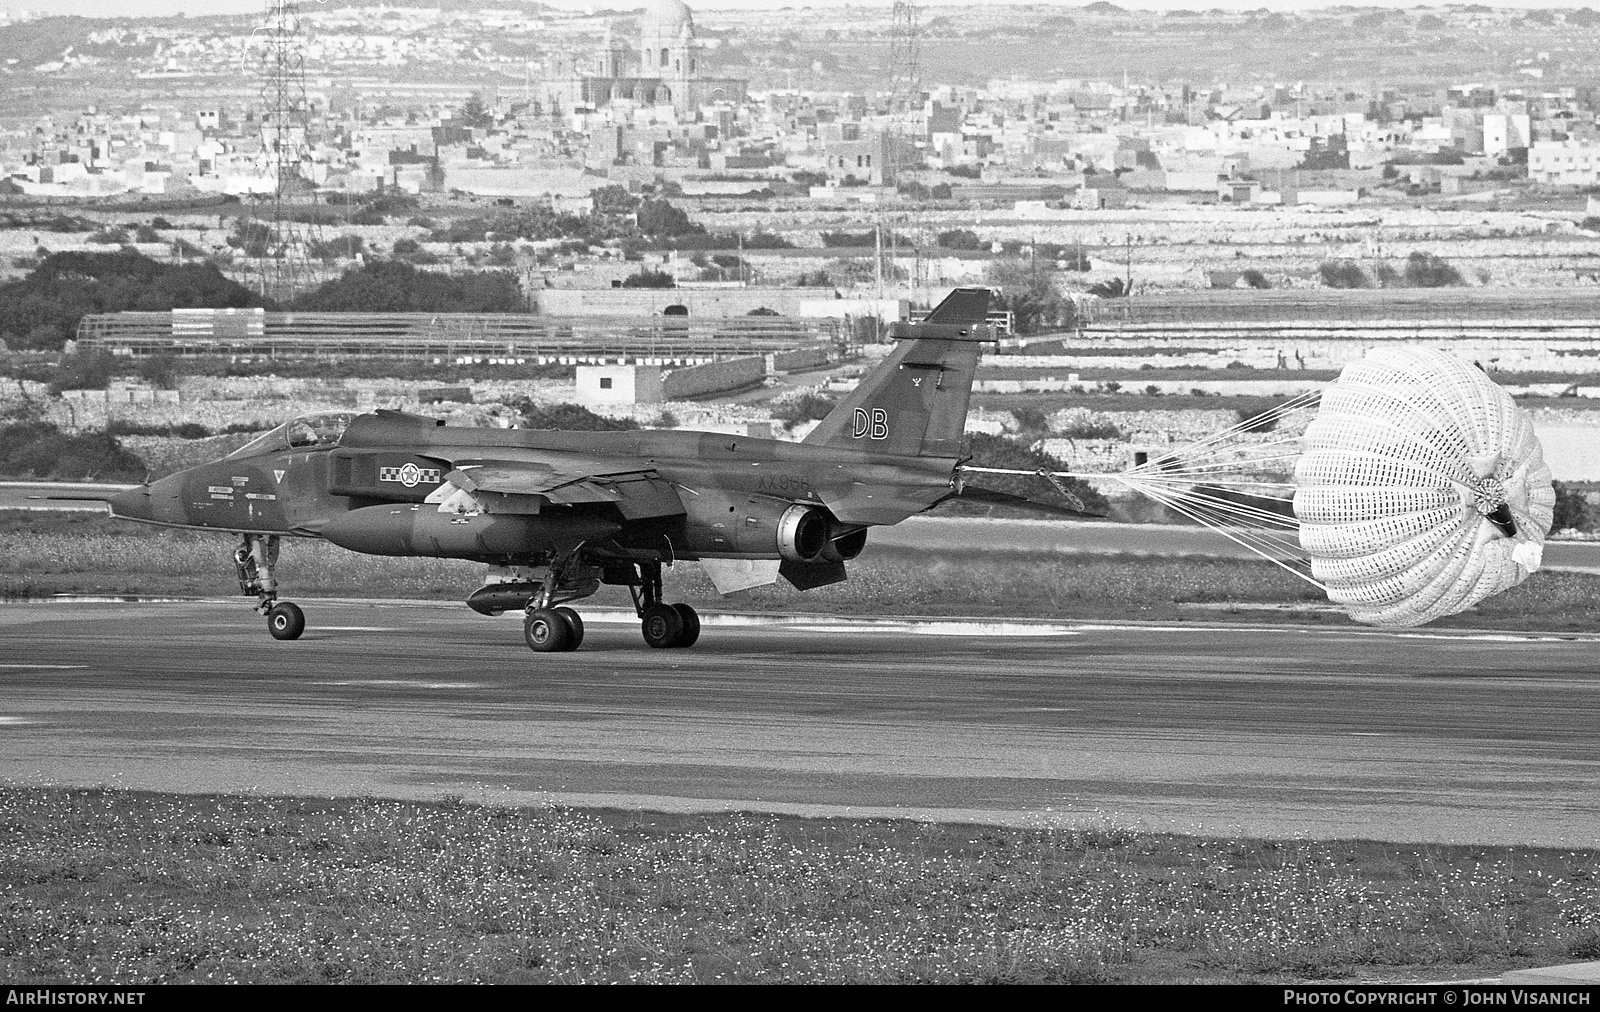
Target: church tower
point(667, 50)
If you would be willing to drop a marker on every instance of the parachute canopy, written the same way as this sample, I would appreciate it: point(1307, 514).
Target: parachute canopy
point(1421, 488)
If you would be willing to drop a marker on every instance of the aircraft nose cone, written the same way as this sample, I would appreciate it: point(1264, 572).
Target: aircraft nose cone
point(133, 504)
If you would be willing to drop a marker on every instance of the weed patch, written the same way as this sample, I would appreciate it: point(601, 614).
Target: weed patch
point(126, 887)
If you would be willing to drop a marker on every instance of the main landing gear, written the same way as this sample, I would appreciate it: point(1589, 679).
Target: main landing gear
point(551, 629)
point(253, 561)
point(664, 625)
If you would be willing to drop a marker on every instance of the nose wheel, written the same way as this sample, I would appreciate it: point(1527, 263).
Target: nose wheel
point(253, 561)
point(285, 621)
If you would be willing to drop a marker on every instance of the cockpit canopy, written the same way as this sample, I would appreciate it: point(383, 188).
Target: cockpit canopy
point(308, 432)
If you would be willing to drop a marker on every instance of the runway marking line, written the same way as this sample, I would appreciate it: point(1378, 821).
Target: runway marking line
point(941, 629)
point(356, 628)
point(44, 667)
point(389, 682)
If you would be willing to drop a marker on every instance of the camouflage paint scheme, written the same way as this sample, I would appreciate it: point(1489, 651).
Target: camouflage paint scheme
point(392, 483)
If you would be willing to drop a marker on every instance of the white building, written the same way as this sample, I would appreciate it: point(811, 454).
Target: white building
point(619, 384)
point(1573, 163)
point(1502, 132)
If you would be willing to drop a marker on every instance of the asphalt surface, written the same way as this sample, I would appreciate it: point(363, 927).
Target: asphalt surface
point(1419, 736)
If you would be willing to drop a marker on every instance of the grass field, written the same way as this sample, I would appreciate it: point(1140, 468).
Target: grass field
point(65, 553)
point(122, 887)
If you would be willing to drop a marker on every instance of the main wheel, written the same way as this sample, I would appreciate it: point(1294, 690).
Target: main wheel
point(546, 631)
point(662, 625)
point(285, 621)
point(691, 625)
point(574, 626)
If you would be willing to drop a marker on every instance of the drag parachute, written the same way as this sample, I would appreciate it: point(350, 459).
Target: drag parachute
point(1411, 488)
point(1421, 488)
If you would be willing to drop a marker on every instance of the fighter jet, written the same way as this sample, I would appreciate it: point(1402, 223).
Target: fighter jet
point(557, 514)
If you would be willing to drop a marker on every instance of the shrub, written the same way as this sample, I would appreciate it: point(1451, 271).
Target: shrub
point(181, 430)
point(87, 370)
point(1255, 279)
point(809, 406)
point(847, 239)
point(40, 450)
point(660, 218)
point(160, 371)
point(1031, 419)
point(1424, 270)
point(340, 247)
point(501, 255)
point(1572, 509)
point(649, 279)
point(767, 240)
point(1258, 416)
point(959, 238)
point(569, 417)
point(392, 286)
point(1343, 274)
point(1029, 289)
point(1090, 428)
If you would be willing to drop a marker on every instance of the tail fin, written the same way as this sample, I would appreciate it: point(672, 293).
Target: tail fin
point(915, 403)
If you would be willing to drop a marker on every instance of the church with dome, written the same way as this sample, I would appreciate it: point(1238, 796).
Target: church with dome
point(661, 68)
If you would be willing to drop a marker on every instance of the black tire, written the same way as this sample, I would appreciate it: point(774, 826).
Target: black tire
point(574, 628)
point(662, 625)
point(285, 621)
point(546, 631)
point(691, 625)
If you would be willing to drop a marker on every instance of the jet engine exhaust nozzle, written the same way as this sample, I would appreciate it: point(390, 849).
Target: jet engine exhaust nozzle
point(802, 533)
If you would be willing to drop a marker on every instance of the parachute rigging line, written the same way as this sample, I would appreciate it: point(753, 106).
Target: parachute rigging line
point(1232, 481)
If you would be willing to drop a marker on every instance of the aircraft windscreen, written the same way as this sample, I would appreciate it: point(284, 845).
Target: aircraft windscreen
point(310, 432)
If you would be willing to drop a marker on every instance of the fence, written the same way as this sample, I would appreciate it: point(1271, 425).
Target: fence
point(449, 336)
point(1322, 308)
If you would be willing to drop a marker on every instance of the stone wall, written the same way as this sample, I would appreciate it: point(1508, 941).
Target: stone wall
point(713, 377)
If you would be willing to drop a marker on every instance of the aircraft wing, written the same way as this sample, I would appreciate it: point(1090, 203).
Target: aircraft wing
point(570, 480)
point(993, 498)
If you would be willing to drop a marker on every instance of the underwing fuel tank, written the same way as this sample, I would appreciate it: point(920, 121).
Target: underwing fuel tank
point(423, 530)
point(498, 598)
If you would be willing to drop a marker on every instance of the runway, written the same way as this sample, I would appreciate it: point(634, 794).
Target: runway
point(1421, 736)
point(934, 533)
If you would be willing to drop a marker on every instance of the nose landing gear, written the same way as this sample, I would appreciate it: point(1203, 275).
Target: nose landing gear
point(253, 561)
